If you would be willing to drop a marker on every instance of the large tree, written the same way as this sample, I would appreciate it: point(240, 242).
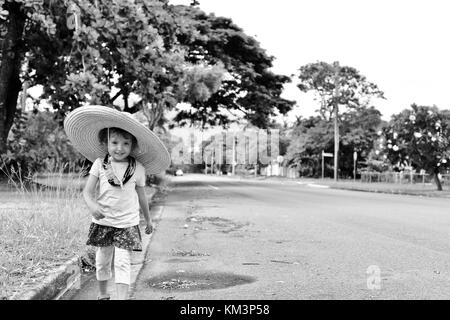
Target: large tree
point(130, 54)
point(335, 85)
point(12, 26)
point(122, 49)
point(338, 89)
point(88, 51)
point(250, 90)
point(419, 138)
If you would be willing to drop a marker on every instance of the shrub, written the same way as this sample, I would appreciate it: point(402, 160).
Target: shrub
point(37, 142)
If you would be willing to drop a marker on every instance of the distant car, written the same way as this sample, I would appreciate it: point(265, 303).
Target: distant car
point(178, 172)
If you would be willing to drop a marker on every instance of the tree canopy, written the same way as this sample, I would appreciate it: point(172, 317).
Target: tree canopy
point(309, 137)
point(121, 48)
point(147, 54)
point(324, 79)
point(418, 138)
point(250, 89)
point(88, 52)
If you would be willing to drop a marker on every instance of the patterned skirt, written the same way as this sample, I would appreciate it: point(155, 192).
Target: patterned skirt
point(124, 238)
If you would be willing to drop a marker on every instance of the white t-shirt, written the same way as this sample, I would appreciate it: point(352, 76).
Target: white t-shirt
point(121, 206)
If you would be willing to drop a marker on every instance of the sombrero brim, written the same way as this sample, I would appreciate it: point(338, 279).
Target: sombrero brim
point(84, 123)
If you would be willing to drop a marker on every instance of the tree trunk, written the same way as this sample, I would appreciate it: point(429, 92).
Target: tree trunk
point(11, 58)
point(437, 180)
point(153, 113)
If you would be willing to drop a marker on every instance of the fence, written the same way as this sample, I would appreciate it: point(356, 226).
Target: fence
point(275, 170)
point(401, 177)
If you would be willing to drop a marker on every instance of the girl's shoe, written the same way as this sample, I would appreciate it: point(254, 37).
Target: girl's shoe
point(104, 298)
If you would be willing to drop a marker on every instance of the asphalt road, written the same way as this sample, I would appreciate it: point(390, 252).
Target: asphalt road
point(222, 238)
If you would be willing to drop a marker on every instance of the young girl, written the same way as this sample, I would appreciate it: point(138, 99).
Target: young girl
point(118, 145)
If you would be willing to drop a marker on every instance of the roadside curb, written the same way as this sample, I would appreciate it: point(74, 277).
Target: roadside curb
point(68, 277)
point(57, 283)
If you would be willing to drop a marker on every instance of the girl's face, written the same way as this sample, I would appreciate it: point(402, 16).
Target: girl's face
point(119, 147)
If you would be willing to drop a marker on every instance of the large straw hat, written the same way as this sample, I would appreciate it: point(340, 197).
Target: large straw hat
point(83, 125)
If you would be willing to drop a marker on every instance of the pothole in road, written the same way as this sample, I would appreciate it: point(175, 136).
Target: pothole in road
point(191, 281)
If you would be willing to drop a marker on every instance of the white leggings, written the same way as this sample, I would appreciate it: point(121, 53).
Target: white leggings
point(122, 264)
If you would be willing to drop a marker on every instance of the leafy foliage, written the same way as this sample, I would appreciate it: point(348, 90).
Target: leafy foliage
point(359, 131)
point(418, 138)
point(309, 137)
point(201, 82)
point(38, 143)
point(148, 53)
point(121, 47)
point(250, 90)
point(334, 84)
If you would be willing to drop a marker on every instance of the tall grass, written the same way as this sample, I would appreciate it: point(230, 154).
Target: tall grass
point(43, 223)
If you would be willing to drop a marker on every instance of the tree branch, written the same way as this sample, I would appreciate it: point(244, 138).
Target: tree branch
point(116, 96)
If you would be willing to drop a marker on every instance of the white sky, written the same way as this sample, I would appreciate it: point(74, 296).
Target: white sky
point(402, 46)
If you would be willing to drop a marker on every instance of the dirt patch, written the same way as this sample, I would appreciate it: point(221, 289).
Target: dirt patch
point(224, 225)
point(191, 281)
point(190, 253)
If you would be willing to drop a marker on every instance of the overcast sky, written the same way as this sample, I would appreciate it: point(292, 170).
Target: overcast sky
point(402, 46)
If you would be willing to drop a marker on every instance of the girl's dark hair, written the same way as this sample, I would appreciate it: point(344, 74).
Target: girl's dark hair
point(103, 135)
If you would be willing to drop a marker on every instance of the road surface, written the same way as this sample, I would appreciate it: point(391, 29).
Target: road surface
point(225, 238)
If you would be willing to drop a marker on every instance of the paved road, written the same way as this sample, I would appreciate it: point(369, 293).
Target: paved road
point(221, 238)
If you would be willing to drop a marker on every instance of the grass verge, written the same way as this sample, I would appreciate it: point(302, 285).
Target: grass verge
point(418, 189)
point(40, 229)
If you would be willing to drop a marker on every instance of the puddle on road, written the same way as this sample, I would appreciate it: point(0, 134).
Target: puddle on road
point(191, 281)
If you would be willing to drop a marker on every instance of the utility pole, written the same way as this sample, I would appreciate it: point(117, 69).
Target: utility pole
point(323, 164)
point(233, 162)
point(336, 123)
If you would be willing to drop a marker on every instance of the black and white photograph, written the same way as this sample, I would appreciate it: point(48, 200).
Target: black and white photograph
point(222, 156)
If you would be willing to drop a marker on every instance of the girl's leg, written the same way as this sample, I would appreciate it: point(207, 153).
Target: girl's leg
point(122, 291)
point(103, 289)
point(122, 272)
point(103, 259)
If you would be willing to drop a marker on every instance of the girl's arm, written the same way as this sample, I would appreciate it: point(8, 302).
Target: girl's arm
point(89, 194)
point(143, 203)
